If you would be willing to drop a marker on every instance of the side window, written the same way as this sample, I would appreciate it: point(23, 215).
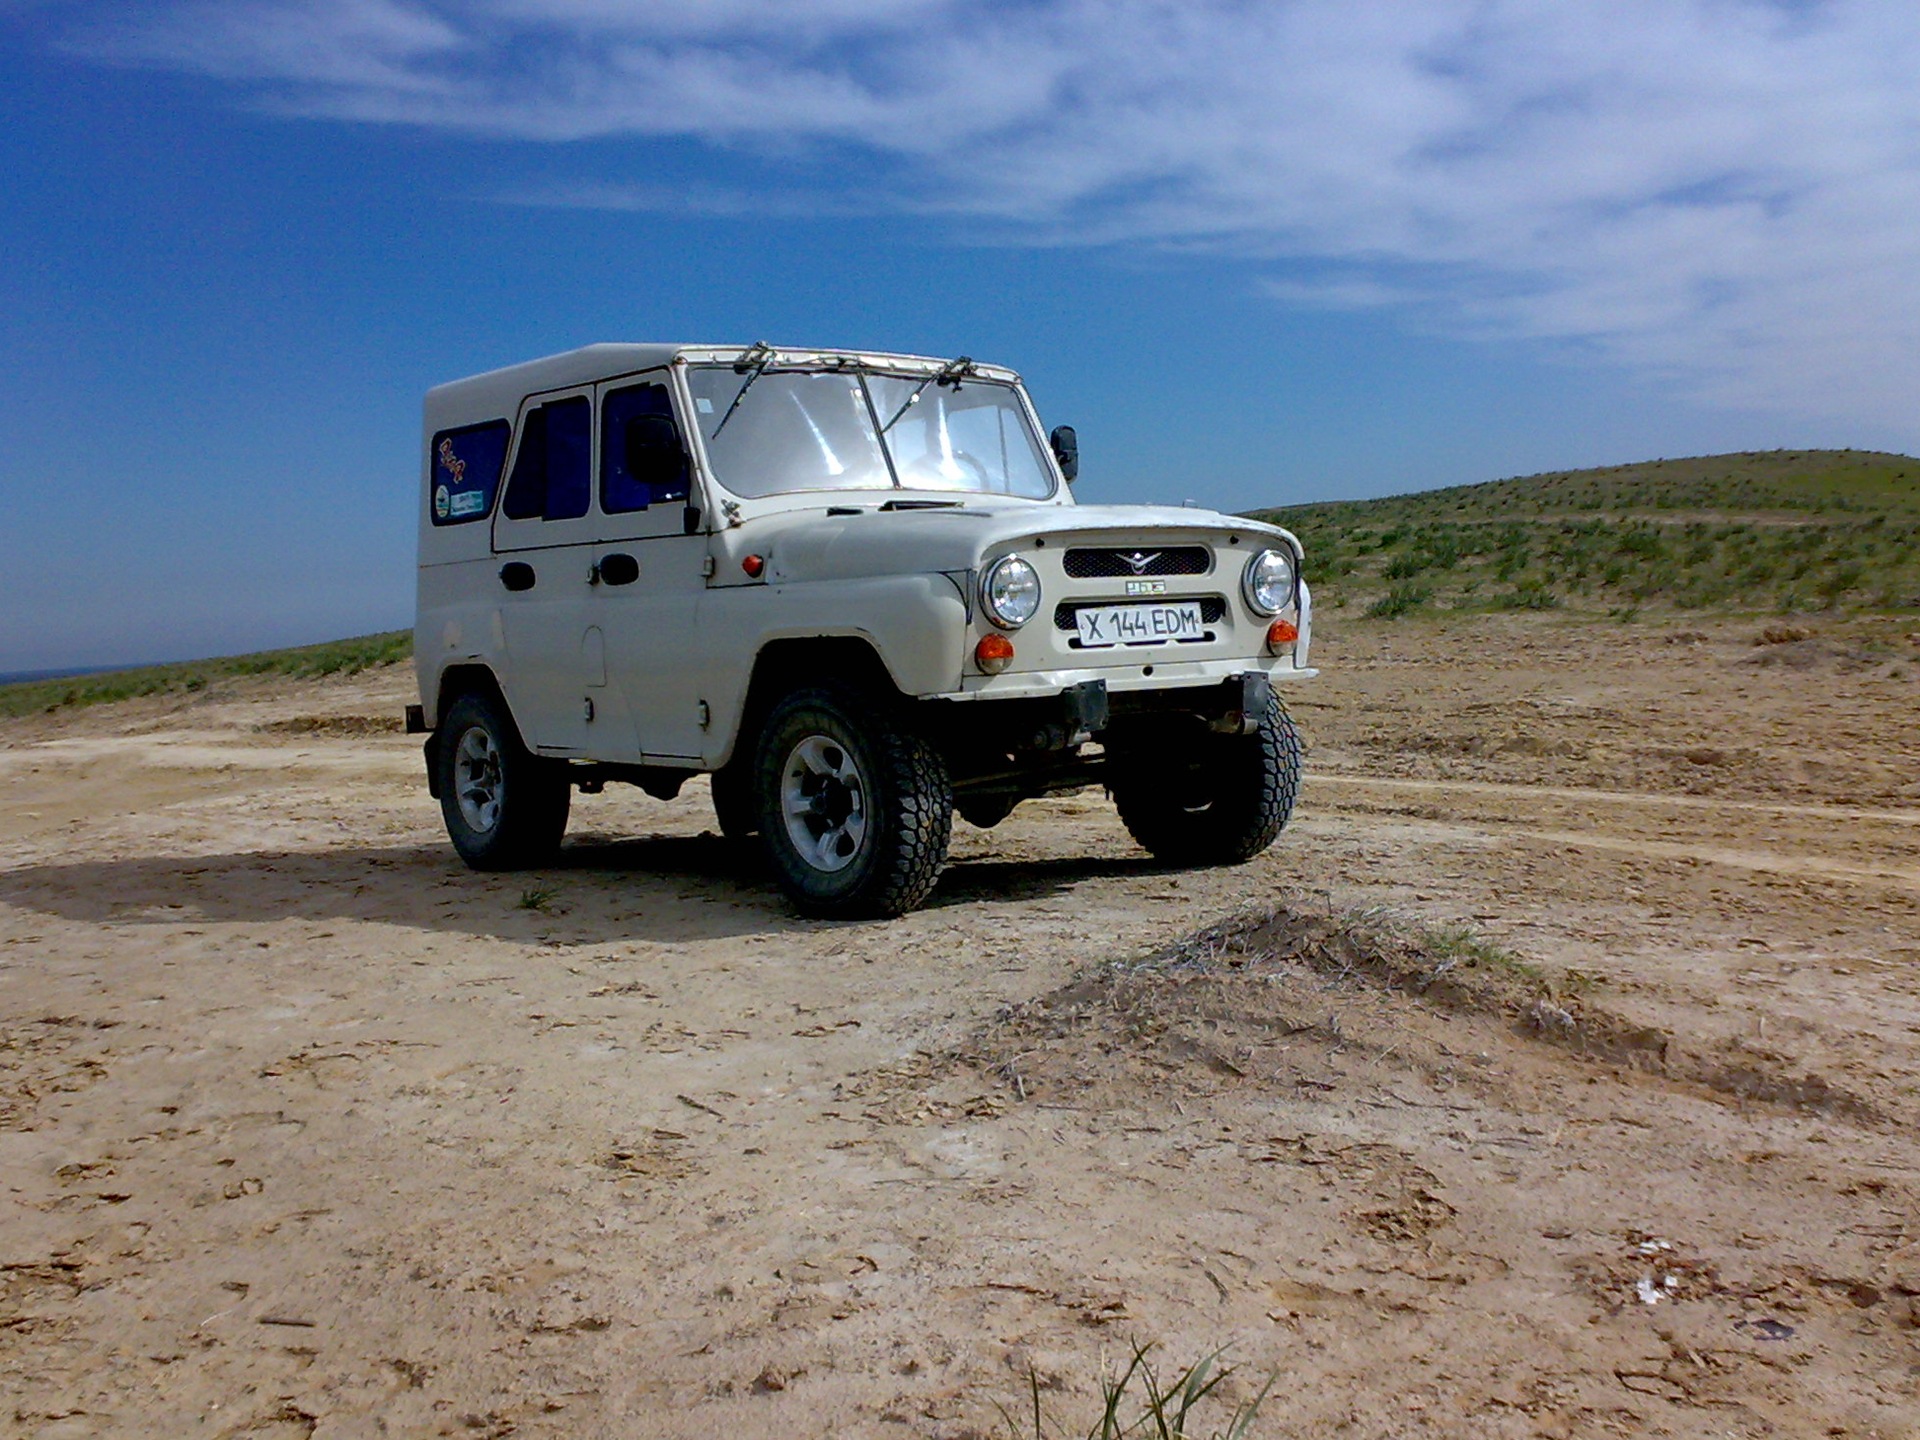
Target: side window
point(466, 471)
point(553, 473)
point(642, 460)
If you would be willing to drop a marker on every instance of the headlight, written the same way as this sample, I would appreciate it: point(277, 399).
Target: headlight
point(1269, 581)
point(1010, 592)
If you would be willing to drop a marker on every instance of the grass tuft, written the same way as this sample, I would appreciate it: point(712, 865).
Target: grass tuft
point(1528, 595)
point(1462, 945)
point(1157, 1411)
point(1400, 600)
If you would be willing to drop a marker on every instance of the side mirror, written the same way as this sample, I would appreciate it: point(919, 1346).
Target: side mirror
point(1066, 450)
point(653, 454)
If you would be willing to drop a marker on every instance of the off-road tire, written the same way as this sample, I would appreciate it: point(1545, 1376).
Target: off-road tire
point(733, 803)
point(505, 807)
point(904, 803)
point(1222, 802)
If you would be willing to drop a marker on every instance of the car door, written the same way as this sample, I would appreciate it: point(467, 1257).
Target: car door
point(543, 543)
point(650, 558)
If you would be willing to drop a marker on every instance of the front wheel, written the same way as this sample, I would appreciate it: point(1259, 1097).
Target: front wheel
point(855, 810)
point(1207, 799)
point(505, 807)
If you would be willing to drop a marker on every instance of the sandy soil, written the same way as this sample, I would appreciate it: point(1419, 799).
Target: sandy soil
point(304, 1130)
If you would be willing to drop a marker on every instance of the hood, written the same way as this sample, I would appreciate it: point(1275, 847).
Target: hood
point(815, 545)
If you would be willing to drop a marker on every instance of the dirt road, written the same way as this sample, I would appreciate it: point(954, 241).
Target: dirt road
point(1554, 1075)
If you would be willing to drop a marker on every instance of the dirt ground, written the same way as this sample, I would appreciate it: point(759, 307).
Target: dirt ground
point(1555, 1075)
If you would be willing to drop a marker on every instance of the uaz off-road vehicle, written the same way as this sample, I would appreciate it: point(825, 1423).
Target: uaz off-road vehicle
point(855, 590)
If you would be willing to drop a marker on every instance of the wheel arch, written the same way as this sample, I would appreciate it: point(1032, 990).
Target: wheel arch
point(467, 678)
point(789, 664)
point(454, 682)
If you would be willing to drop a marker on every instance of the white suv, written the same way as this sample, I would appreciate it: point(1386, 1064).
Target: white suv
point(856, 590)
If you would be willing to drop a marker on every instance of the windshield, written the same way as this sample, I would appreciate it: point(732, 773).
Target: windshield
point(776, 431)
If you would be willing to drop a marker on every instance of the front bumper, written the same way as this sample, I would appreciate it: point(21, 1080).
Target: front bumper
point(1117, 680)
point(1086, 710)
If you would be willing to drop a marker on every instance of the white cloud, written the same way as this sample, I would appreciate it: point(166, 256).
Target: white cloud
point(326, 47)
point(1724, 192)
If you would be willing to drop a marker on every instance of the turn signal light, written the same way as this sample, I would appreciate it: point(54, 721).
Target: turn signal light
point(754, 565)
point(993, 654)
point(1281, 632)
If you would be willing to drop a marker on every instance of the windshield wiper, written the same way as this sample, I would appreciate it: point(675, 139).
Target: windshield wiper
point(758, 356)
point(950, 373)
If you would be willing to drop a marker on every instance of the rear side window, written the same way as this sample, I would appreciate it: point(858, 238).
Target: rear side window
point(553, 473)
point(642, 459)
point(466, 471)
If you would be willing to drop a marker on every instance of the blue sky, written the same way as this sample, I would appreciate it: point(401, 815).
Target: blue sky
point(1256, 253)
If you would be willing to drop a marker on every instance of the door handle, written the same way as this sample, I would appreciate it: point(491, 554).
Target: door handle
point(617, 569)
point(517, 575)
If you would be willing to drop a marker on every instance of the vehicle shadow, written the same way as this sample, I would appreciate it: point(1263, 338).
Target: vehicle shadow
point(969, 882)
point(662, 888)
point(600, 889)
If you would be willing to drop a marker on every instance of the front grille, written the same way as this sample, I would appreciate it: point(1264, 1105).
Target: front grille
point(1212, 609)
point(1106, 564)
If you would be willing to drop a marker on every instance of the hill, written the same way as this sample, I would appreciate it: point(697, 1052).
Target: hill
point(1777, 530)
point(334, 657)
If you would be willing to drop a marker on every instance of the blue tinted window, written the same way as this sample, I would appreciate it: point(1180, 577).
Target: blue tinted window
point(553, 473)
point(527, 489)
point(466, 470)
point(569, 458)
point(636, 427)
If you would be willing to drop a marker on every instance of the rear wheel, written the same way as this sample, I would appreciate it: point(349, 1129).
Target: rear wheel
point(504, 806)
point(1208, 799)
point(855, 810)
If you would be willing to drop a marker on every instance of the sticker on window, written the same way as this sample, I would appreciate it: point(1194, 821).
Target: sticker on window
point(452, 463)
point(466, 465)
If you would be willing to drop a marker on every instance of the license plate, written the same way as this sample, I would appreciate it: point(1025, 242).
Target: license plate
point(1103, 625)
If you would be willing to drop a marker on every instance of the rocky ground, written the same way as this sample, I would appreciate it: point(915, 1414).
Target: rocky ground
point(1554, 1075)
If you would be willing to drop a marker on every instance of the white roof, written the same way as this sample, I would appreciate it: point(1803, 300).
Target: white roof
point(499, 392)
